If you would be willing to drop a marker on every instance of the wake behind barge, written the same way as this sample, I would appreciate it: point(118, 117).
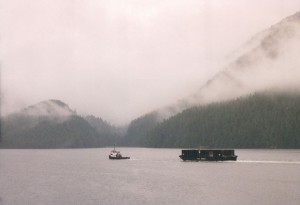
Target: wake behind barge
point(208, 155)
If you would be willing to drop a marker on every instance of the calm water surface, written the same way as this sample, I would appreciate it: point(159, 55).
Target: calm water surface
point(151, 176)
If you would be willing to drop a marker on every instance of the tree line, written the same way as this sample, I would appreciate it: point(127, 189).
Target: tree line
point(261, 120)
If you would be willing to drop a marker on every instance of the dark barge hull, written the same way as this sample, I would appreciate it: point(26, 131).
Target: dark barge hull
point(208, 155)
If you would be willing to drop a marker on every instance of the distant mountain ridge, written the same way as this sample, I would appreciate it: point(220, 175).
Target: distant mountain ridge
point(53, 124)
point(48, 108)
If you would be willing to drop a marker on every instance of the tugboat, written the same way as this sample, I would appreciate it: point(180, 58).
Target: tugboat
point(114, 154)
point(208, 155)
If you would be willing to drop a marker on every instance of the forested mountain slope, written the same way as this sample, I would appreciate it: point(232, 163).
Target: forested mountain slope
point(257, 121)
point(52, 124)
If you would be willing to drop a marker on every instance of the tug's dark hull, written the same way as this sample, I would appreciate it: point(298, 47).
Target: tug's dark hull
point(208, 155)
point(116, 158)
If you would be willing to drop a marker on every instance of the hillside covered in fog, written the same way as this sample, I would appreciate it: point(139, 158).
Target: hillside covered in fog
point(268, 61)
point(52, 124)
point(253, 102)
point(262, 120)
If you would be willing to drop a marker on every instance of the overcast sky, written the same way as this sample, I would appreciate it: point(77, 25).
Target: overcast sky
point(119, 59)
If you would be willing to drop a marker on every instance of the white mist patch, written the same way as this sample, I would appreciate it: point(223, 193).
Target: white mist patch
point(51, 109)
point(269, 62)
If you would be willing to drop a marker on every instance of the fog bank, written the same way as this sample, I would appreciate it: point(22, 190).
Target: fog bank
point(120, 59)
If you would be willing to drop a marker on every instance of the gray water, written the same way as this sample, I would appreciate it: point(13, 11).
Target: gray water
point(151, 176)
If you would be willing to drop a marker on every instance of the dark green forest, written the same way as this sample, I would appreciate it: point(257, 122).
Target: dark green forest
point(72, 133)
point(22, 131)
point(257, 121)
point(262, 120)
point(139, 128)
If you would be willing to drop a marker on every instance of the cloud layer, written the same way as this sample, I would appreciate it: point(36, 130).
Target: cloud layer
point(120, 59)
point(268, 62)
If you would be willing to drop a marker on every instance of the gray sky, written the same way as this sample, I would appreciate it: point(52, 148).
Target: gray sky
point(121, 59)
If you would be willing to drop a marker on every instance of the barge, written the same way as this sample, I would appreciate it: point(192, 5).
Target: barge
point(208, 155)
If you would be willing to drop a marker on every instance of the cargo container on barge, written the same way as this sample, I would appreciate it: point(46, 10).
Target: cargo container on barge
point(208, 155)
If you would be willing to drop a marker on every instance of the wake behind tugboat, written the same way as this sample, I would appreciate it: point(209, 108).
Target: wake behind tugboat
point(114, 154)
